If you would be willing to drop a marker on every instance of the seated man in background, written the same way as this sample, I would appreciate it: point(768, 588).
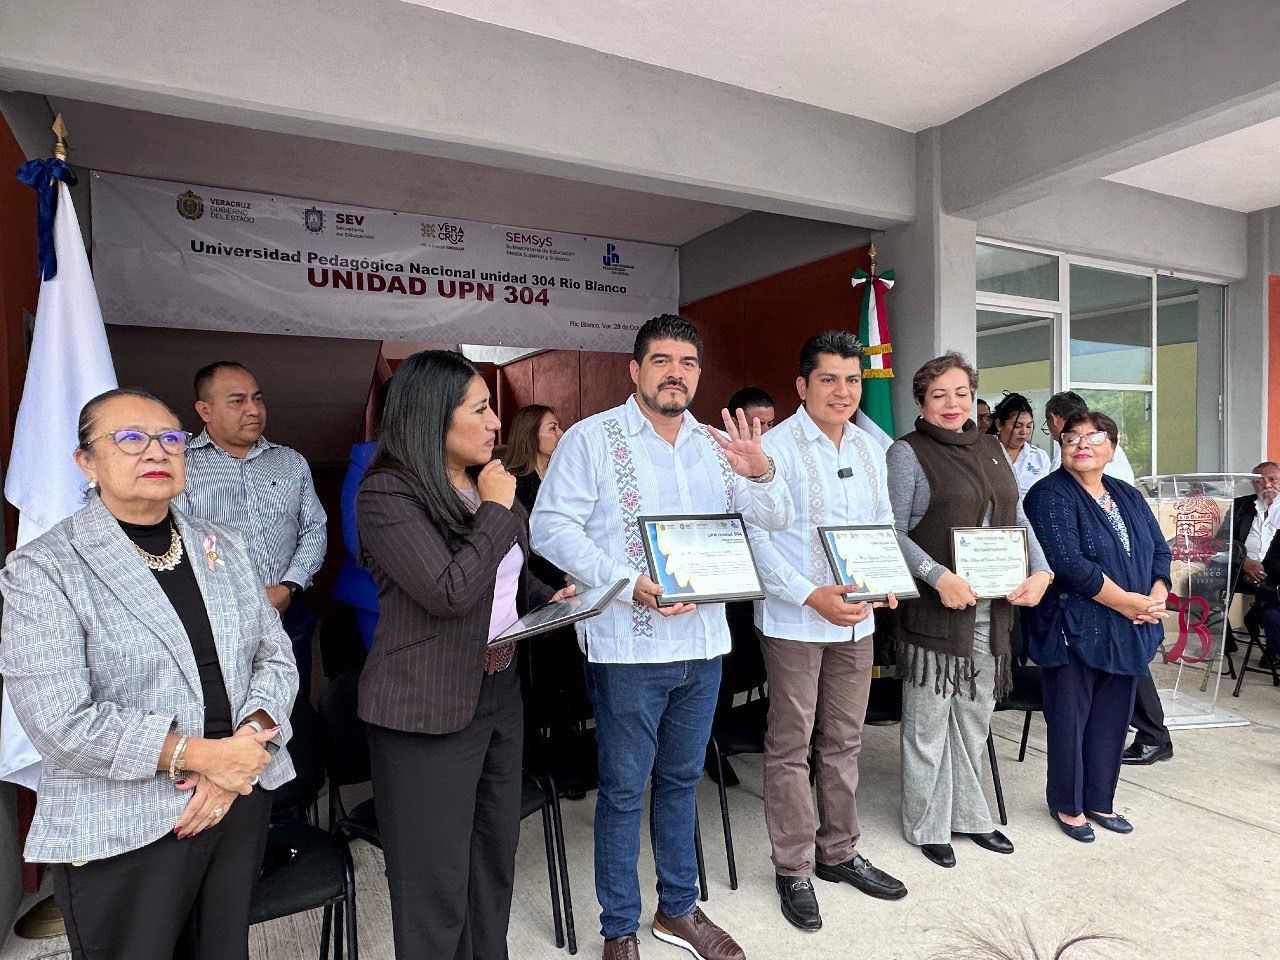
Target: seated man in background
point(756, 403)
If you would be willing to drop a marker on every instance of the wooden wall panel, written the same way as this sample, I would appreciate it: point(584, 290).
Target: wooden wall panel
point(605, 381)
point(556, 384)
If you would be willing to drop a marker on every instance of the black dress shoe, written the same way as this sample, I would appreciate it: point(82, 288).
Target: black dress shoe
point(1139, 754)
point(1082, 832)
point(730, 775)
point(940, 853)
point(1116, 823)
point(995, 841)
point(799, 902)
point(870, 880)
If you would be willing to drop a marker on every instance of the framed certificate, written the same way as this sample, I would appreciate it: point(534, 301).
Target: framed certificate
point(868, 559)
point(995, 560)
point(700, 558)
point(561, 613)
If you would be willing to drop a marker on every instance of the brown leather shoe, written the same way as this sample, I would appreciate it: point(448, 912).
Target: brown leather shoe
point(698, 935)
point(622, 948)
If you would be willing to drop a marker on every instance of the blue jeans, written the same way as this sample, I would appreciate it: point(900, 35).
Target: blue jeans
point(653, 721)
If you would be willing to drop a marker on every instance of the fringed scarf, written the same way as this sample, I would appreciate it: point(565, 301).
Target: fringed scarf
point(967, 473)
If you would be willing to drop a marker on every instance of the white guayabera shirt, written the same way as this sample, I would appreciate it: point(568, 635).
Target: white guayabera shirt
point(792, 561)
point(612, 468)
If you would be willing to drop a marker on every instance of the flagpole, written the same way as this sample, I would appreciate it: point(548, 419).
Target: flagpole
point(871, 251)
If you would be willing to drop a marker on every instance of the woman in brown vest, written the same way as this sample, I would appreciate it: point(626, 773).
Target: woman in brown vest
point(952, 648)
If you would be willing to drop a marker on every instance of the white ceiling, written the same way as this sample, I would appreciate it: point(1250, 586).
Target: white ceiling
point(116, 140)
point(1239, 171)
point(910, 64)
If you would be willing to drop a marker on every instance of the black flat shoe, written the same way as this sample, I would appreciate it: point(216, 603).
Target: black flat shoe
point(995, 841)
point(1141, 755)
point(940, 853)
point(799, 902)
point(1083, 832)
point(1116, 824)
point(870, 880)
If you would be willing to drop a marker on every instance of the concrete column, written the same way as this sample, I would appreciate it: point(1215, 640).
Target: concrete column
point(1247, 346)
point(932, 308)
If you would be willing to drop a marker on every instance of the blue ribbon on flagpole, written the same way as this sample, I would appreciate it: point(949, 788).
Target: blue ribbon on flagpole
point(43, 177)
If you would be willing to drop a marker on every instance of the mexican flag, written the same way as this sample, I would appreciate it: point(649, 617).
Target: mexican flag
point(873, 333)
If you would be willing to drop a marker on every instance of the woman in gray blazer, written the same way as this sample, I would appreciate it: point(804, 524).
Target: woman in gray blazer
point(150, 672)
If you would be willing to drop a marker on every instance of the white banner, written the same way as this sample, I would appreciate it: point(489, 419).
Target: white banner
point(180, 255)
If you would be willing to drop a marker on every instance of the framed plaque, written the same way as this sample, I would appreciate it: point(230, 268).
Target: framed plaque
point(995, 560)
point(561, 613)
point(700, 558)
point(868, 559)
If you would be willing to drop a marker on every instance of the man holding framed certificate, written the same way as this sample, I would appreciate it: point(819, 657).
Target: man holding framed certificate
point(817, 644)
point(653, 669)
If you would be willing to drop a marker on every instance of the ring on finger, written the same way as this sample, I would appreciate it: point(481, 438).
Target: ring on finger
point(217, 813)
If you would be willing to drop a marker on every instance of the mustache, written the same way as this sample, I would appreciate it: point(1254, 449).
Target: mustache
point(673, 383)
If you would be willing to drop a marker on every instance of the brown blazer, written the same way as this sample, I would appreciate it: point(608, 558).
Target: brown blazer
point(424, 671)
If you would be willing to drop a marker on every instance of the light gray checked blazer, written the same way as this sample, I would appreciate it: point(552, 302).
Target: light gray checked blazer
point(100, 671)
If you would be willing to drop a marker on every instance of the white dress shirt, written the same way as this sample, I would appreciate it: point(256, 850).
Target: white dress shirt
point(612, 468)
point(1265, 521)
point(1029, 465)
point(792, 561)
point(1119, 467)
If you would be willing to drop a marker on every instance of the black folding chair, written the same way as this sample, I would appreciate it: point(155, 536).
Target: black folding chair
point(307, 868)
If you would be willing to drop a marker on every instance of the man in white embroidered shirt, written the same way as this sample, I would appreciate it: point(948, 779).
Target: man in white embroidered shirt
point(817, 646)
point(652, 672)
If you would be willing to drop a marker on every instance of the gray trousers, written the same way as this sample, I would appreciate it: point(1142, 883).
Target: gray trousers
point(944, 744)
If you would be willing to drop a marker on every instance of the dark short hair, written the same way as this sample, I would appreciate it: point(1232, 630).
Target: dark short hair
point(983, 402)
point(840, 343)
point(204, 376)
point(750, 397)
point(1096, 419)
point(87, 427)
point(668, 326)
point(931, 371)
point(1011, 405)
point(1064, 404)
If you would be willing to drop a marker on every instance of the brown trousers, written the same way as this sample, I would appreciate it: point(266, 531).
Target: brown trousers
point(820, 687)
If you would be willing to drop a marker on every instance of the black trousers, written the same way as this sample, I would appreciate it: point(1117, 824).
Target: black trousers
point(1086, 713)
point(449, 816)
point(172, 899)
point(1148, 714)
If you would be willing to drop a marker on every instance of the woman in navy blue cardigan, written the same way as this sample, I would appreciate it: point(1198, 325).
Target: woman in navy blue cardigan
point(1097, 627)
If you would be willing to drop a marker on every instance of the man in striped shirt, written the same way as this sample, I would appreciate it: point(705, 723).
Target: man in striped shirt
point(263, 490)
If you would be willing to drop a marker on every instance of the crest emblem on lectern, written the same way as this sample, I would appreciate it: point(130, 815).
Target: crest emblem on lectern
point(1196, 522)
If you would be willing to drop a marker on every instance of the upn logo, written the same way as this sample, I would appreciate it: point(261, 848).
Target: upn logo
point(611, 258)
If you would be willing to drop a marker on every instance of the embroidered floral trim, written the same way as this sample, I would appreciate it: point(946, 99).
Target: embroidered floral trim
point(726, 469)
point(864, 458)
point(624, 478)
point(819, 570)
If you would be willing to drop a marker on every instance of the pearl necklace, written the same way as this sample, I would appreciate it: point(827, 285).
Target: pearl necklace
point(165, 561)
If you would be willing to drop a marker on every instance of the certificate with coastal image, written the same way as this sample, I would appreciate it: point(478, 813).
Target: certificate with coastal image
point(869, 560)
point(700, 558)
point(995, 560)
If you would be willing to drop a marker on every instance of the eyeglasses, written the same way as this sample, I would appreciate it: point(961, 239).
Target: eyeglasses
point(1095, 439)
point(1044, 428)
point(135, 442)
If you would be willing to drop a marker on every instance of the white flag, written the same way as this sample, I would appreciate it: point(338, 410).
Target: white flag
point(70, 364)
point(866, 423)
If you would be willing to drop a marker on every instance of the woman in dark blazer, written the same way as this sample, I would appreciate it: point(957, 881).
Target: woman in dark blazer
point(447, 544)
point(153, 676)
point(1098, 627)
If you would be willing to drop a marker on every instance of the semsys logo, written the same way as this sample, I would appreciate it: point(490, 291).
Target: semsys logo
point(191, 205)
point(538, 240)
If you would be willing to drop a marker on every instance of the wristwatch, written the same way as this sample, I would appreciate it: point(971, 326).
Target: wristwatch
point(767, 475)
point(295, 589)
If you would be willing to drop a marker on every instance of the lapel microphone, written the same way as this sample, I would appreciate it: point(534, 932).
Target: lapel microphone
point(844, 473)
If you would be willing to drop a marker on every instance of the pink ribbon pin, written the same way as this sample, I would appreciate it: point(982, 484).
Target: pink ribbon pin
point(211, 557)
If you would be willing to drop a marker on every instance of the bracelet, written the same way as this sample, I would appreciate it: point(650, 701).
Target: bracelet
point(767, 475)
point(253, 723)
point(175, 761)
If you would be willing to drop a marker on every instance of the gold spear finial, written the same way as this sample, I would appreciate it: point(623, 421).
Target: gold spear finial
point(872, 252)
point(60, 132)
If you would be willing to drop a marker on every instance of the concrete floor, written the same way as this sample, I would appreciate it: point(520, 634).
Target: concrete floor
point(1199, 879)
